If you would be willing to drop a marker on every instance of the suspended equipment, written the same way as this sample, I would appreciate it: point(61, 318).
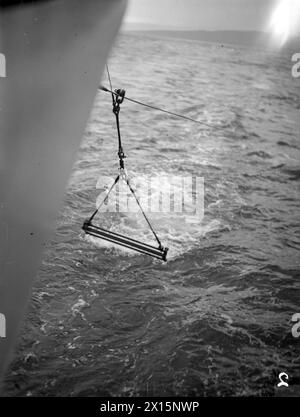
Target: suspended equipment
point(89, 228)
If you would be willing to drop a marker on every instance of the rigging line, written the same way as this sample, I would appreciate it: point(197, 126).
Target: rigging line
point(144, 214)
point(105, 199)
point(110, 84)
point(163, 110)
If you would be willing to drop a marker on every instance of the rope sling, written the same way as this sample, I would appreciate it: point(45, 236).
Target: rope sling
point(159, 252)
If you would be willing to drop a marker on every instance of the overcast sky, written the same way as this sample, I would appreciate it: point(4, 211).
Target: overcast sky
point(202, 14)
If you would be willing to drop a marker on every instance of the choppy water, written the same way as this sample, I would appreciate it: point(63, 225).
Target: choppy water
point(216, 319)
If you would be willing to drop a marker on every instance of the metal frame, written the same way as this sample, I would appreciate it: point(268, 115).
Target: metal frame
point(127, 242)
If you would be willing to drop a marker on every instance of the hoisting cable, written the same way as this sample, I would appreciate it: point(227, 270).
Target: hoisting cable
point(117, 100)
point(150, 106)
point(110, 84)
point(118, 177)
